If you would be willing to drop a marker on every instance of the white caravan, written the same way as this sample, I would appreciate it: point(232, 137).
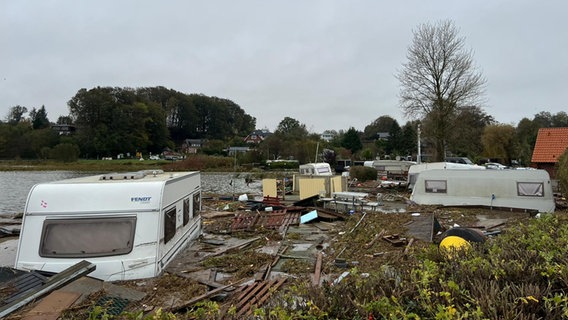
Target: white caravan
point(392, 168)
point(415, 169)
point(130, 225)
point(527, 190)
point(316, 169)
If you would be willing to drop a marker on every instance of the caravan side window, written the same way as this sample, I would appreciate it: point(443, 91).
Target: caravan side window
point(436, 186)
point(169, 224)
point(185, 211)
point(196, 204)
point(530, 189)
point(84, 238)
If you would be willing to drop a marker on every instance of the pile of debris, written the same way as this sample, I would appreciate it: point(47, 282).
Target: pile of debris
point(250, 251)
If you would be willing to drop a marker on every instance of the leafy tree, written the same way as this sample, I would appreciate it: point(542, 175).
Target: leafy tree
point(394, 140)
point(16, 114)
point(13, 139)
point(526, 134)
point(39, 118)
point(381, 124)
point(466, 141)
point(351, 141)
point(499, 142)
point(562, 172)
point(328, 155)
point(367, 154)
point(409, 139)
point(437, 80)
point(292, 128)
point(38, 139)
point(64, 120)
point(65, 152)
point(560, 120)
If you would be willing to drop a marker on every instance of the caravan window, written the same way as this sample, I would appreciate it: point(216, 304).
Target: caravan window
point(169, 224)
point(185, 211)
point(84, 238)
point(324, 170)
point(196, 204)
point(530, 189)
point(436, 186)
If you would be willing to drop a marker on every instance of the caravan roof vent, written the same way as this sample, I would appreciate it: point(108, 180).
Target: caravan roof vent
point(123, 176)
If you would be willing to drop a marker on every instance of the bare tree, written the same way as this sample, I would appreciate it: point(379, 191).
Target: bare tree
point(438, 78)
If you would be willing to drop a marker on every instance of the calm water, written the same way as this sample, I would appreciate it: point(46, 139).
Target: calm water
point(15, 185)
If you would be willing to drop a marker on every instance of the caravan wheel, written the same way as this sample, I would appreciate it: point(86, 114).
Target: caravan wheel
point(458, 239)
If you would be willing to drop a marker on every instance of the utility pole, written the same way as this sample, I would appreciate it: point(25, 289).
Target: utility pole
point(419, 157)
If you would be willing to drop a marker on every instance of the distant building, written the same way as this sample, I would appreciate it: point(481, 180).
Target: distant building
point(64, 129)
point(382, 136)
point(328, 135)
point(550, 144)
point(257, 136)
point(191, 146)
point(235, 150)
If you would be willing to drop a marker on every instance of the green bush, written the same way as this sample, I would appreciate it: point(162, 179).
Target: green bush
point(520, 274)
point(562, 173)
point(282, 165)
point(362, 173)
point(65, 152)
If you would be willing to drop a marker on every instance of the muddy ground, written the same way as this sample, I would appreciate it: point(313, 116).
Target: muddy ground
point(222, 257)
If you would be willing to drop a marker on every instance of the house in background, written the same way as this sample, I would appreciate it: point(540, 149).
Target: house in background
point(191, 146)
point(550, 144)
point(64, 129)
point(257, 136)
point(328, 135)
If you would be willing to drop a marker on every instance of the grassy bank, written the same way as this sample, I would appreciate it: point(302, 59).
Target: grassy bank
point(82, 165)
point(192, 163)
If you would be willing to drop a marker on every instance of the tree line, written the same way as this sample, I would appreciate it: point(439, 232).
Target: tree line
point(111, 120)
point(114, 120)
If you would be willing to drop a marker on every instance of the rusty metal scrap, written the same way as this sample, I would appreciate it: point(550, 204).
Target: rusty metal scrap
point(247, 221)
point(255, 295)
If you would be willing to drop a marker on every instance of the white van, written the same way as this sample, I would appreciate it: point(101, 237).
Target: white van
point(130, 225)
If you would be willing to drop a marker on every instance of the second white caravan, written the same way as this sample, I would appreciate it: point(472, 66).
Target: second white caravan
point(528, 190)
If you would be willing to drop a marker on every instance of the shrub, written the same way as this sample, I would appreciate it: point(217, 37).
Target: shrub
point(562, 172)
point(65, 152)
point(362, 173)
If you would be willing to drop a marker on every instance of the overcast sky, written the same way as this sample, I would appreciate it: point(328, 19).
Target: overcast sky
point(328, 64)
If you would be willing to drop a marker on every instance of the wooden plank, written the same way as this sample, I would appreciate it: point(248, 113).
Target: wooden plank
point(203, 296)
point(266, 293)
point(317, 272)
point(55, 282)
point(377, 236)
point(50, 307)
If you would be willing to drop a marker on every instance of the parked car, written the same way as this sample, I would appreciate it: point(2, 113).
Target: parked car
point(462, 160)
point(154, 157)
point(495, 166)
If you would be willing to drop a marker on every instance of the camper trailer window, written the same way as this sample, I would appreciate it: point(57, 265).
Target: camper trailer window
point(530, 189)
point(196, 204)
point(185, 211)
point(436, 186)
point(169, 224)
point(323, 170)
point(83, 238)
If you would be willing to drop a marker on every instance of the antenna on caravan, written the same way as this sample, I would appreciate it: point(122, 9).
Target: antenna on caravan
point(317, 149)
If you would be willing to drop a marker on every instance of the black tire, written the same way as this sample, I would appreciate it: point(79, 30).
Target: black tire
point(468, 234)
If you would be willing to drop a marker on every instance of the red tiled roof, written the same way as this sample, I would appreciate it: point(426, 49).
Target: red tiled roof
point(550, 145)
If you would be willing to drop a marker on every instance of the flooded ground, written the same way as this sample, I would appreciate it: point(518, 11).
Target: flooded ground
point(15, 185)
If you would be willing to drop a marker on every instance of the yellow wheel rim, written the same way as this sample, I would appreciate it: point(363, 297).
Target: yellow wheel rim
point(454, 243)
